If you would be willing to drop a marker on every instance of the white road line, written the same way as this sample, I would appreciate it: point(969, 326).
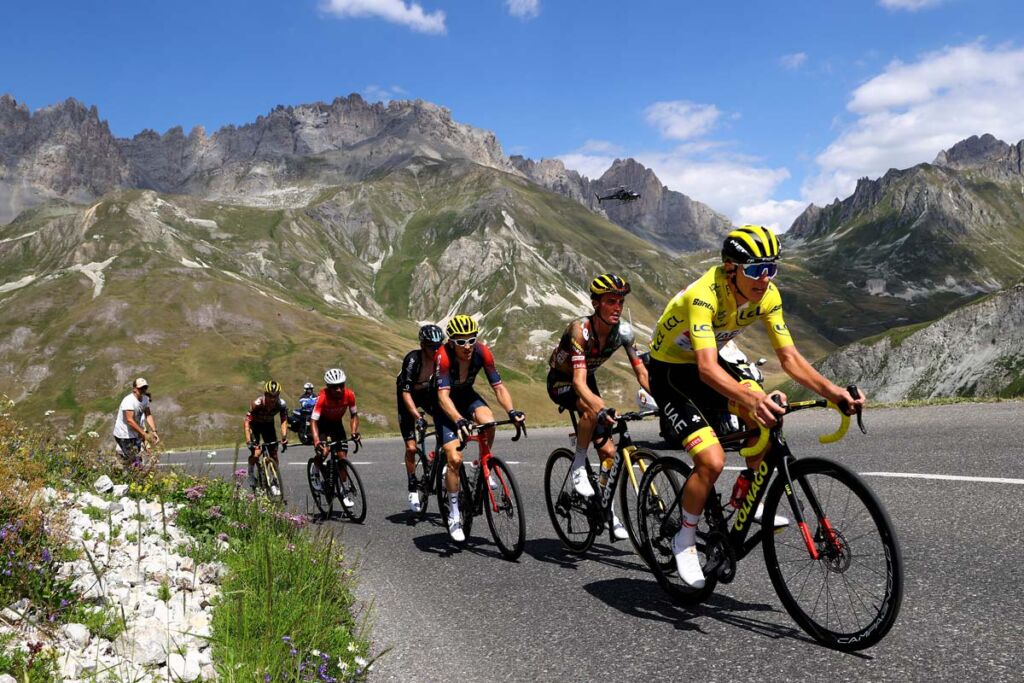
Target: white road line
point(943, 477)
point(354, 462)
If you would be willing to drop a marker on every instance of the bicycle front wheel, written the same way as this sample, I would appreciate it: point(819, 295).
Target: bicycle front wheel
point(569, 511)
point(504, 510)
point(840, 574)
point(272, 481)
point(659, 517)
point(640, 461)
point(350, 491)
point(423, 482)
point(319, 490)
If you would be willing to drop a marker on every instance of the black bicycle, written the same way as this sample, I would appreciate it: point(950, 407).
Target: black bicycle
point(427, 469)
point(498, 499)
point(337, 479)
point(577, 519)
point(837, 567)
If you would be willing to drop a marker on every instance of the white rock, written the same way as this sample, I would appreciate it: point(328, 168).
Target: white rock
point(145, 644)
point(186, 564)
point(77, 634)
point(70, 667)
point(103, 484)
point(119, 490)
point(209, 673)
point(7, 678)
point(210, 572)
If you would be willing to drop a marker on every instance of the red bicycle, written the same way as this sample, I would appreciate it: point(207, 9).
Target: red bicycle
point(501, 503)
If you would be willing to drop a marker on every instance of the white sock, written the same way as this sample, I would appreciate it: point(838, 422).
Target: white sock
point(688, 531)
point(453, 505)
point(580, 459)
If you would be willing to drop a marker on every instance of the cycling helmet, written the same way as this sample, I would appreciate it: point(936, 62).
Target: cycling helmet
point(272, 388)
point(608, 283)
point(462, 324)
point(308, 386)
point(751, 244)
point(432, 335)
point(334, 376)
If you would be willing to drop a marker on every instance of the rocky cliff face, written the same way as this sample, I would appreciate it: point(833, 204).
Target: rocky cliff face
point(977, 350)
point(661, 216)
point(282, 159)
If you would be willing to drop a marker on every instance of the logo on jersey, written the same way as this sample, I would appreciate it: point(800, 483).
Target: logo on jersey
point(702, 330)
point(703, 304)
point(782, 328)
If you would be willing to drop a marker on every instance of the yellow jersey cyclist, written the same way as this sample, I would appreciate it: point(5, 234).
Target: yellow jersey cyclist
point(584, 346)
point(691, 386)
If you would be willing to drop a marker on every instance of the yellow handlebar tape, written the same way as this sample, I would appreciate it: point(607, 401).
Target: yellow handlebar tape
point(844, 424)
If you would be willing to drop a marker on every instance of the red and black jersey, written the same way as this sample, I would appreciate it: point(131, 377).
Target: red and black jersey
point(447, 367)
point(329, 408)
point(262, 412)
point(579, 347)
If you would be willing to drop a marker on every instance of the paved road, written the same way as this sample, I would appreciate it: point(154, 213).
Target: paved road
point(469, 615)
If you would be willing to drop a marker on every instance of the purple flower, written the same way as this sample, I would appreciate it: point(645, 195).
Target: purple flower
point(215, 512)
point(222, 537)
point(266, 678)
point(286, 639)
point(46, 555)
point(196, 492)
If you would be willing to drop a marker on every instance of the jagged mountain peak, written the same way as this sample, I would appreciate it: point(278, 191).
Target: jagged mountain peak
point(972, 152)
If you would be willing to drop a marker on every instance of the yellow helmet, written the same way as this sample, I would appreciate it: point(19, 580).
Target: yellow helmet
point(462, 324)
point(751, 244)
point(272, 388)
point(607, 284)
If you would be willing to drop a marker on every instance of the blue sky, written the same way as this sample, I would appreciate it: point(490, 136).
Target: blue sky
point(754, 107)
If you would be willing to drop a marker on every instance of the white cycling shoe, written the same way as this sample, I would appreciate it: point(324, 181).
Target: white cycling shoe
point(619, 529)
point(687, 563)
point(414, 501)
point(455, 529)
point(347, 501)
point(581, 482)
point(780, 521)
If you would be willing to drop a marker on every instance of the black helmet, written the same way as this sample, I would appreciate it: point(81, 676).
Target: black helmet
point(751, 244)
point(431, 335)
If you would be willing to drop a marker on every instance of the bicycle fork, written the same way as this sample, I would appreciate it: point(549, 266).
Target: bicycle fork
point(830, 535)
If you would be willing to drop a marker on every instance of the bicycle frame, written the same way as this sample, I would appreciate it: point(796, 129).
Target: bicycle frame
point(483, 470)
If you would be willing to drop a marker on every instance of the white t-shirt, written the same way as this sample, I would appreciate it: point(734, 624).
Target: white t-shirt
point(138, 407)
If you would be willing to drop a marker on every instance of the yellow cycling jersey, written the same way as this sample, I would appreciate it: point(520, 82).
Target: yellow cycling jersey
point(705, 315)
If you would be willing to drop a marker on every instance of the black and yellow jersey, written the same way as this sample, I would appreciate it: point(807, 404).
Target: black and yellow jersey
point(705, 315)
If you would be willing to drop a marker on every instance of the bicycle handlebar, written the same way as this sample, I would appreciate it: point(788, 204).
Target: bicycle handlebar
point(844, 422)
point(520, 429)
point(283, 444)
point(632, 416)
point(329, 443)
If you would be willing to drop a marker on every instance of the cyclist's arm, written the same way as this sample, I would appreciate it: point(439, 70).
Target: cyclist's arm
point(248, 430)
point(639, 369)
point(712, 374)
point(314, 419)
point(410, 405)
point(353, 423)
point(284, 421)
point(642, 378)
point(802, 372)
point(504, 397)
point(444, 400)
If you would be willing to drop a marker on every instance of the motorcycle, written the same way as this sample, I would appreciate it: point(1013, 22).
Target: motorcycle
point(298, 423)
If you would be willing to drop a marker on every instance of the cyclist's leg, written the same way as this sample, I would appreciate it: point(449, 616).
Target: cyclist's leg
point(450, 446)
point(481, 413)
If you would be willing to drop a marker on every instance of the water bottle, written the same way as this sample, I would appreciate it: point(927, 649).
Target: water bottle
point(606, 467)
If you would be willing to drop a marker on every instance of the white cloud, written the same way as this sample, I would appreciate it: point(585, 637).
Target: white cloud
point(382, 93)
point(396, 11)
point(908, 5)
point(524, 9)
point(793, 61)
point(590, 165)
point(681, 120)
point(600, 147)
point(776, 214)
point(910, 112)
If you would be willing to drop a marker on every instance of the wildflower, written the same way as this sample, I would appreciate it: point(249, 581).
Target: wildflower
point(93, 435)
point(48, 413)
point(286, 639)
point(196, 492)
point(222, 537)
point(215, 512)
point(360, 661)
point(351, 647)
point(241, 473)
point(266, 678)
point(290, 547)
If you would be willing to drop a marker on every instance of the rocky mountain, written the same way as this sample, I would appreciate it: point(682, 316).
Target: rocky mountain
point(977, 350)
point(915, 243)
point(661, 216)
point(283, 159)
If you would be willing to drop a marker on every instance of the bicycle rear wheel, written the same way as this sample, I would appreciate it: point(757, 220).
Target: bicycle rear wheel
point(848, 598)
point(569, 512)
point(508, 524)
point(321, 493)
point(351, 486)
point(272, 481)
point(465, 501)
point(641, 460)
point(659, 517)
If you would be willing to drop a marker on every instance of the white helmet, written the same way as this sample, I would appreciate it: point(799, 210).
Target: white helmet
point(334, 376)
point(307, 385)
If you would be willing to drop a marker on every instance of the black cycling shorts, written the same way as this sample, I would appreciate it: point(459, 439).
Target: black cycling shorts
point(264, 432)
point(466, 402)
point(332, 431)
point(560, 389)
point(690, 409)
point(406, 423)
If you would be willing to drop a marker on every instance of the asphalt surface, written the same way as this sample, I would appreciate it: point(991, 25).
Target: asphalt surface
point(468, 615)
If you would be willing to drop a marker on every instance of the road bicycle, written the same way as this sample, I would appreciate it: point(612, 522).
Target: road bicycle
point(499, 498)
point(428, 466)
point(268, 475)
point(837, 567)
point(336, 478)
point(577, 519)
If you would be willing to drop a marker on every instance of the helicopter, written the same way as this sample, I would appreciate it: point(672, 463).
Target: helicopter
point(620, 193)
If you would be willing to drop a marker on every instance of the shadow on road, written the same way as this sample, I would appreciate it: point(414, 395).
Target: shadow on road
point(644, 599)
point(551, 551)
point(443, 546)
point(407, 518)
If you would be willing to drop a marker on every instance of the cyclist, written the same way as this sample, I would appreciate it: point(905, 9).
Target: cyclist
point(585, 345)
point(326, 420)
point(691, 386)
point(457, 364)
point(308, 398)
point(129, 435)
point(259, 425)
point(413, 391)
